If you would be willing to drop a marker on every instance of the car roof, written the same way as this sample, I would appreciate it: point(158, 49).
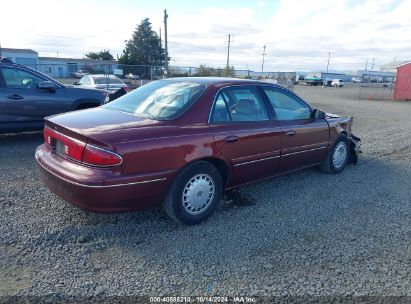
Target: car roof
point(102, 75)
point(216, 80)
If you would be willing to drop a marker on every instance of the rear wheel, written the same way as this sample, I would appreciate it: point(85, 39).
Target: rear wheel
point(194, 194)
point(338, 156)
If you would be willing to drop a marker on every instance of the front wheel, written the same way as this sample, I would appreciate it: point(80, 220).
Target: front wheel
point(194, 194)
point(337, 157)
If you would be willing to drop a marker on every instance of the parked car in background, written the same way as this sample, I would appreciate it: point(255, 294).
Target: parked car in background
point(27, 96)
point(101, 81)
point(80, 73)
point(182, 141)
point(337, 83)
point(356, 80)
point(132, 76)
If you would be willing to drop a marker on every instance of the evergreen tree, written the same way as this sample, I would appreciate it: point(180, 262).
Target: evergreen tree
point(144, 48)
point(102, 55)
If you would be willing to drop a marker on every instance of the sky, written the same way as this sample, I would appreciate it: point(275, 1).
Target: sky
point(298, 34)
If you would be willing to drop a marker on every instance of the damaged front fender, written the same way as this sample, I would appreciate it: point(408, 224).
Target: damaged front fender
point(355, 148)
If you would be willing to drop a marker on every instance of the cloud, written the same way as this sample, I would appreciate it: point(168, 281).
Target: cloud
point(297, 33)
point(261, 4)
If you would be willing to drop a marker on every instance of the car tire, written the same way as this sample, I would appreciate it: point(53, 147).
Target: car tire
point(338, 156)
point(194, 194)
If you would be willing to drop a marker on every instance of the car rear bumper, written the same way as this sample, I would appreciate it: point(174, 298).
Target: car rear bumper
point(100, 190)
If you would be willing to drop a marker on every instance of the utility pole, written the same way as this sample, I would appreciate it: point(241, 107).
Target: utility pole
point(366, 65)
point(165, 43)
point(262, 65)
point(228, 51)
point(328, 63)
point(372, 66)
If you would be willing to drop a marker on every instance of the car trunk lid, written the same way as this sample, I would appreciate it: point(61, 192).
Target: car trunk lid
point(99, 126)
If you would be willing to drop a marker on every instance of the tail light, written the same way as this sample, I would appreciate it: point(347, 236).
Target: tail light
point(100, 157)
point(79, 151)
point(127, 89)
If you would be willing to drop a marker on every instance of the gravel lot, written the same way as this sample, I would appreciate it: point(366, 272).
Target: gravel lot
point(302, 234)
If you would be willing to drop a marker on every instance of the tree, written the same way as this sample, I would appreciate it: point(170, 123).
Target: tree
point(204, 70)
point(229, 72)
point(102, 55)
point(144, 48)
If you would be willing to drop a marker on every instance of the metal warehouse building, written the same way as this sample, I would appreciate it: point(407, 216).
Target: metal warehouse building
point(403, 85)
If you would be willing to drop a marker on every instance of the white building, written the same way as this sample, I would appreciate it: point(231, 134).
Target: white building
point(65, 67)
point(21, 56)
point(391, 66)
point(57, 67)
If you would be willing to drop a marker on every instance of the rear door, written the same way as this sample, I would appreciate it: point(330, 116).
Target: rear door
point(27, 104)
point(244, 134)
point(305, 139)
point(4, 115)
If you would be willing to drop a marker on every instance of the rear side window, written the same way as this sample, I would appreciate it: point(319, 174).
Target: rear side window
point(239, 104)
point(286, 105)
point(104, 80)
point(18, 79)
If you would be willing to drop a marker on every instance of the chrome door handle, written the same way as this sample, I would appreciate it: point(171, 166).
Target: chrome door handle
point(15, 97)
point(231, 139)
point(290, 133)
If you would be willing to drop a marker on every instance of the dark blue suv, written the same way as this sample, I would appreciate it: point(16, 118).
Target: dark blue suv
point(27, 96)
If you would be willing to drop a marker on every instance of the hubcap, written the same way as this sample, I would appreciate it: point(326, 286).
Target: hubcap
point(340, 154)
point(198, 194)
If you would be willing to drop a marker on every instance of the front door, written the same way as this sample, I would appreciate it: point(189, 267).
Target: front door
point(245, 135)
point(27, 104)
point(4, 115)
point(305, 139)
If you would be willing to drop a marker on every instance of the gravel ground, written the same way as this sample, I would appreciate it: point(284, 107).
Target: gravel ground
point(302, 234)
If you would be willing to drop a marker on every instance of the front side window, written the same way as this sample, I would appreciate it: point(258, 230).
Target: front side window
point(161, 100)
point(286, 105)
point(83, 80)
point(243, 103)
point(18, 79)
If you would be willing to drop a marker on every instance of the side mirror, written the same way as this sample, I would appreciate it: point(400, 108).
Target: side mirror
point(46, 86)
point(318, 114)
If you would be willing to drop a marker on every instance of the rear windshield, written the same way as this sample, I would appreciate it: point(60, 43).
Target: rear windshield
point(104, 80)
point(160, 100)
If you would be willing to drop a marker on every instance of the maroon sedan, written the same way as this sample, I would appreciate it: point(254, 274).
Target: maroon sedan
point(181, 142)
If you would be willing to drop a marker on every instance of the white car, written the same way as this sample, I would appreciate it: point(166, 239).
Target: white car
point(100, 81)
point(337, 83)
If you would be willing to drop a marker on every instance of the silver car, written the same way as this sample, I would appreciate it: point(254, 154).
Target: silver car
point(101, 81)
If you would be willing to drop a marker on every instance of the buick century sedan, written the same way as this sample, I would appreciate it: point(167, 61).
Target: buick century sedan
point(181, 142)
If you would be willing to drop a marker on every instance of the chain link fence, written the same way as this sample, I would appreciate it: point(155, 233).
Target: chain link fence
point(376, 87)
point(137, 75)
